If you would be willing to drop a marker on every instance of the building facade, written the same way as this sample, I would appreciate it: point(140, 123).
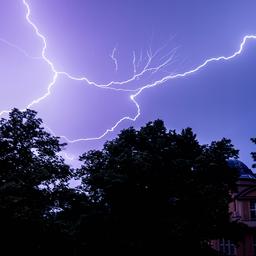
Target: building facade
point(243, 209)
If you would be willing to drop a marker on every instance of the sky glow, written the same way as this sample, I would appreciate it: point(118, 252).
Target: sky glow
point(146, 68)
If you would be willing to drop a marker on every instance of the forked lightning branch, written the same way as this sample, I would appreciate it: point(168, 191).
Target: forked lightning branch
point(139, 72)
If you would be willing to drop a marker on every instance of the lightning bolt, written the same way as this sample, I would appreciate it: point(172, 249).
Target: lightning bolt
point(163, 80)
point(147, 70)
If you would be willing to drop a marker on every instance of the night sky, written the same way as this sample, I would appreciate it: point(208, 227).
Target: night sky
point(133, 43)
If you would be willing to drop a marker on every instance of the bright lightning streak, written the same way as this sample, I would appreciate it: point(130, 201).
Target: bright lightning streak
point(163, 80)
point(187, 73)
point(44, 57)
point(56, 73)
point(147, 69)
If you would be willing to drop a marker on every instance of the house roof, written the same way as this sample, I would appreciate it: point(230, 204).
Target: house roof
point(244, 171)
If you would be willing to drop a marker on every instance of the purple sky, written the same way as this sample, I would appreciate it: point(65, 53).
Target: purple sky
point(112, 40)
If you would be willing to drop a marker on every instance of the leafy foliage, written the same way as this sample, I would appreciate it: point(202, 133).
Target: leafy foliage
point(30, 169)
point(161, 188)
point(147, 191)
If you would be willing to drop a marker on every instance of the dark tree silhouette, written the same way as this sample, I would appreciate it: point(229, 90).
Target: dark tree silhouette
point(159, 192)
point(147, 191)
point(30, 171)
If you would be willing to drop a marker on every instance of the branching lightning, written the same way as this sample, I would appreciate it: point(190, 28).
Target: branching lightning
point(139, 72)
point(163, 80)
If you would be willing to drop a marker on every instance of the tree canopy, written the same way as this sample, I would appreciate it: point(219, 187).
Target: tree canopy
point(146, 191)
point(161, 189)
point(30, 171)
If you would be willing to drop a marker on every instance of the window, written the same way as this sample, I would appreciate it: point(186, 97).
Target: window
point(253, 209)
point(227, 248)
